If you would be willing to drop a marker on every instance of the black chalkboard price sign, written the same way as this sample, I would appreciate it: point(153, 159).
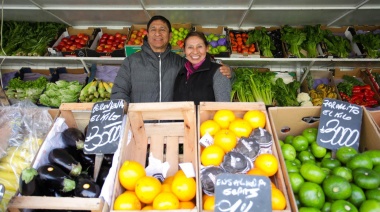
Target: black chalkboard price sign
point(340, 124)
point(104, 130)
point(243, 193)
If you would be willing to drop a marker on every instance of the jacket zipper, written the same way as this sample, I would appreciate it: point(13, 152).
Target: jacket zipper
point(159, 70)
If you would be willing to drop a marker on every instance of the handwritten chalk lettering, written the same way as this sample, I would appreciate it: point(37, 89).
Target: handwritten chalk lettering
point(328, 113)
point(101, 139)
point(340, 135)
point(225, 205)
point(247, 192)
point(104, 117)
point(109, 106)
point(241, 182)
point(341, 106)
point(343, 116)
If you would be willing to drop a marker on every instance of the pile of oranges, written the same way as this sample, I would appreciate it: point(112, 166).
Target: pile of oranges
point(226, 129)
point(148, 193)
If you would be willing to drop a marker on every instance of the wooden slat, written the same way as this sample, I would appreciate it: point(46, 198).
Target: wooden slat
point(172, 151)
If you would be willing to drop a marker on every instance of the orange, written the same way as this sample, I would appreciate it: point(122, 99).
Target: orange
point(224, 118)
point(226, 139)
point(147, 208)
point(267, 163)
point(257, 171)
point(168, 180)
point(147, 188)
point(129, 173)
point(212, 155)
point(256, 118)
point(209, 126)
point(166, 187)
point(179, 173)
point(209, 203)
point(241, 128)
point(166, 201)
point(184, 188)
point(127, 201)
point(278, 200)
point(204, 197)
point(186, 205)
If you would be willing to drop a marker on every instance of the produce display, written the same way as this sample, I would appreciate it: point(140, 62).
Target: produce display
point(59, 92)
point(22, 130)
point(73, 42)
point(136, 37)
point(237, 146)
point(357, 92)
point(322, 91)
point(109, 43)
point(217, 43)
point(370, 42)
point(21, 38)
point(348, 181)
point(178, 36)
point(96, 91)
point(21, 90)
point(239, 43)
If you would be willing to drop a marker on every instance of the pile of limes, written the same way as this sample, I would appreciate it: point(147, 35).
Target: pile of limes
point(348, 182)
point(226, 130)
point(144, 192)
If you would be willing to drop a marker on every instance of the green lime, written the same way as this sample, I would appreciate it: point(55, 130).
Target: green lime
point(357, 195)
point(311, 134)
point(326, 207)
point(328, 155)
point(289, 152)
point(281, 142)
point(291, 166)
point(327, 171)
point(343, 172)
point(376, 168)
point(289, 139)
point(300, 143)
point(345, 153)
point(318, 151)
point(342, 206)
point(373, 194)
point(296, 180)
point(336, 187)
point(298, 162)
point(366, 178)
point(311, 195)
point(360, 161)
point(370, 206)
point(374, 155)
point(304, 156)
point(312, 173)
point(330, 163)
point(308, 209)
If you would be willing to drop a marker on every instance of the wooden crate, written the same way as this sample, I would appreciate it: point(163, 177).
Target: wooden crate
point(206, 111)
point(75, 115)
point(161, 131)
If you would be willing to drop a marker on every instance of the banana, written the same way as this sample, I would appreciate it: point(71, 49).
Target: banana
point(84, 91)
point(101, 89)
point(108, 87)
point(93, 87)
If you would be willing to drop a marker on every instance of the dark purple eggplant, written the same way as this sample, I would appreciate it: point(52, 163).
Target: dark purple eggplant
point(65, 160)
point(51, 176)
point(102, 175)
point(86, 187)
point(73, 137)
point(28, 184)
point(107, 159)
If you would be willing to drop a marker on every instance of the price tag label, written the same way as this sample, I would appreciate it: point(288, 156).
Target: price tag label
point(340, 124)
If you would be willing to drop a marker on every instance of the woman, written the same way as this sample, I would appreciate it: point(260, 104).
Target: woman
point(200, 79)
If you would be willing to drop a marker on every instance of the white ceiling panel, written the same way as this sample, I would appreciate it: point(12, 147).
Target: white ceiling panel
point(360, 17)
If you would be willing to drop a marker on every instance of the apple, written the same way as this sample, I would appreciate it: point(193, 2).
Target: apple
point(105, 35)
point(111, 37)
point(72, 47)
point(120, 46)
point(139, 34)
point(124, 37)
point(109, 42)
point(99, 48)
point(130, 42)
point(137, 42)
point(85, 37)
point(82, 42)
point(118, 35)
point(133, 35)
point(134, 32)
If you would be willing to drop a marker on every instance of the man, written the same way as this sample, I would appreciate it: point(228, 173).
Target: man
point(149, 75)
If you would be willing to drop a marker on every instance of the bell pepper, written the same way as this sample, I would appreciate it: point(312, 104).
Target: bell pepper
point(356, 89)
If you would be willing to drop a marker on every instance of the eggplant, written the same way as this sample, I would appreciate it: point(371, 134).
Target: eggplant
point(102, 175)
point(28, 183)
point(86, 187)
point(65, 160)
point(73, 137)
point(51, 176)
point(107, 159)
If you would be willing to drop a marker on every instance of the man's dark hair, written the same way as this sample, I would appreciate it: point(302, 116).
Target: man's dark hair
point(162, 18)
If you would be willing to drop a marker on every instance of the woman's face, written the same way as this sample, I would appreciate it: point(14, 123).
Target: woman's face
point(158, 36)
point(195, 49)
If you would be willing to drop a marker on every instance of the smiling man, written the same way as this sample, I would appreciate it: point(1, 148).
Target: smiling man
point(149, 75)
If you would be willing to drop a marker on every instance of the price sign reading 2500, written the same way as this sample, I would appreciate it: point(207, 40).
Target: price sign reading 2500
point(105, 127)
point(340, 124)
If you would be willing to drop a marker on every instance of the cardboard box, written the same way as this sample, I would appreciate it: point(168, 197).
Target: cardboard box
point(337, 31)
point(90, 31)
point(220, 30)
point(206, 111)
point(150, 129)
point(74, 115)
point(290, 121)
point(375, 115)
point(92, 51)
point(236, 54)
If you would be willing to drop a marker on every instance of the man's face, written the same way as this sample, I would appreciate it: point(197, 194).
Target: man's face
point(158, 36)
